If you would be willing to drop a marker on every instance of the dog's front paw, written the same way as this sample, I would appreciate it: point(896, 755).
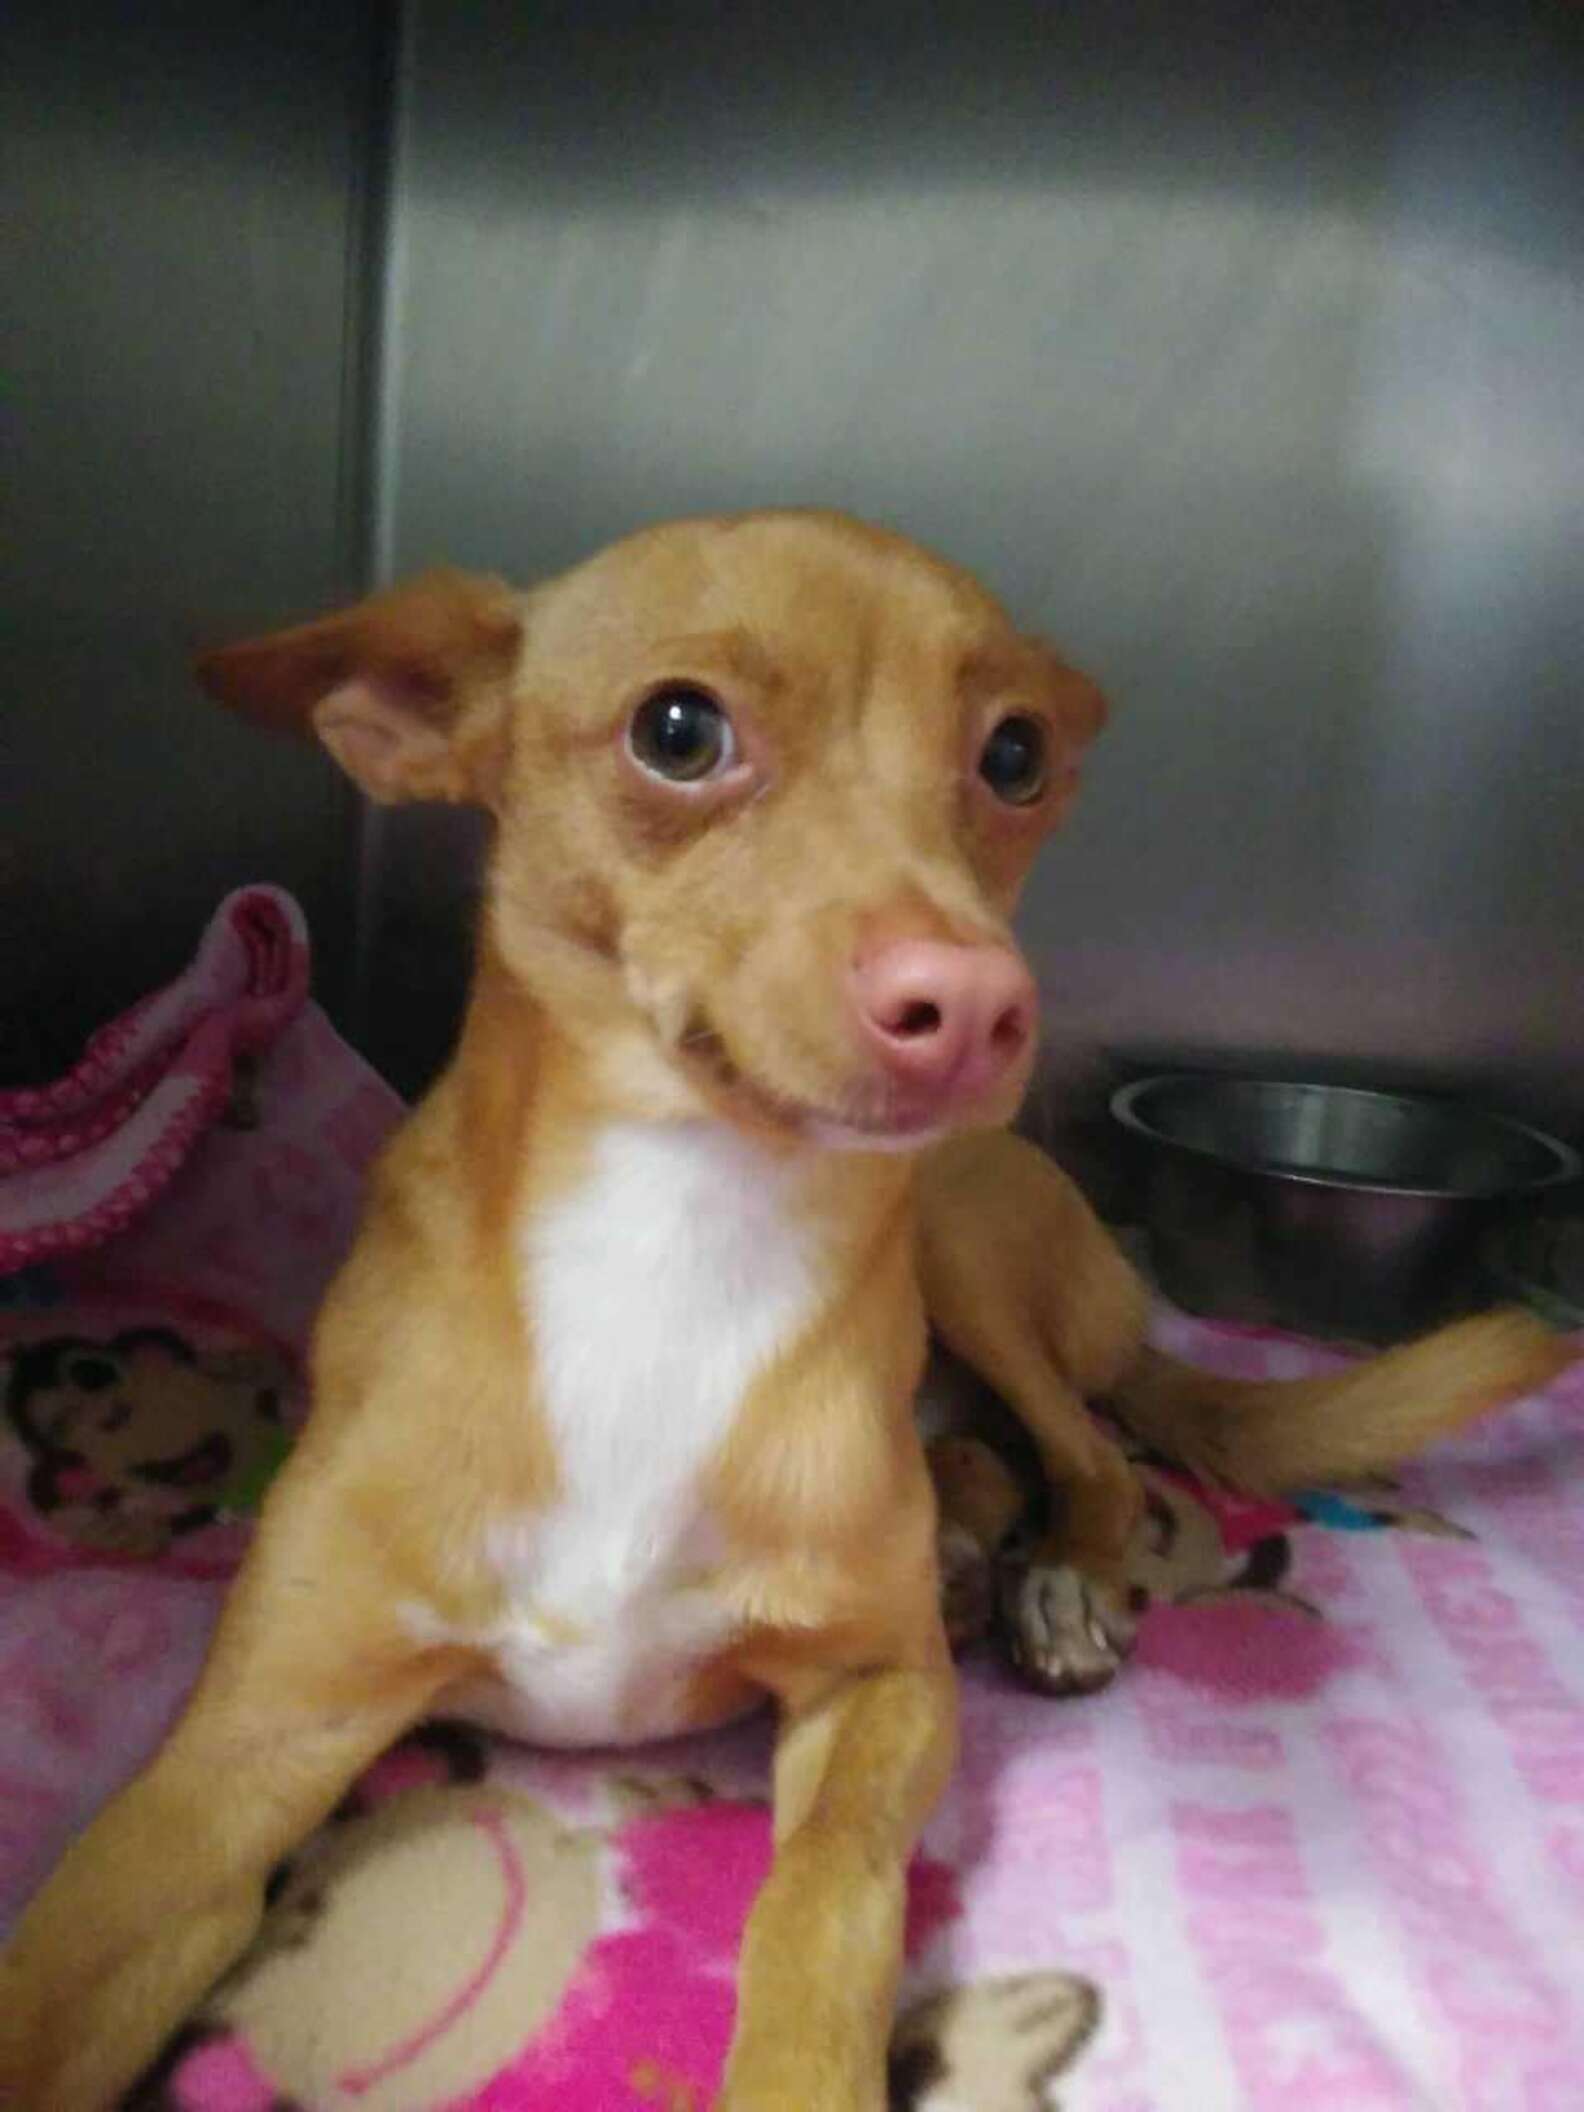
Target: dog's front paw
point(1067, 1633)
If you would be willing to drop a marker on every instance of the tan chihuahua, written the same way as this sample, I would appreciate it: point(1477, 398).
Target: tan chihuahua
point(613, 1431)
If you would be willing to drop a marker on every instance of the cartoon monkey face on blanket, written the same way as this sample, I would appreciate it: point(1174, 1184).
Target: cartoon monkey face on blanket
point(454, 1944)
point(137, 1438)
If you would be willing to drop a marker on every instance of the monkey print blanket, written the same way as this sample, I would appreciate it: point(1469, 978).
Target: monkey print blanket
point(1321, 1845)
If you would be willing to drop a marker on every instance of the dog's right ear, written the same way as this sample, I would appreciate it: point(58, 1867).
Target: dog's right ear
point(407, 690)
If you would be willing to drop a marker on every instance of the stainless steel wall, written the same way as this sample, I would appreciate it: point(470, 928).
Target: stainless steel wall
point(181, 459)
point(1242, 347)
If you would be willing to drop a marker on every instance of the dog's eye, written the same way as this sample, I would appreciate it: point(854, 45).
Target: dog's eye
point(1012, 760)
point(93, 1374)
point(681, 733)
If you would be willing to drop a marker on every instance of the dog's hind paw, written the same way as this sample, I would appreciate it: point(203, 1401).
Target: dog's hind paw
point(1067, 1633)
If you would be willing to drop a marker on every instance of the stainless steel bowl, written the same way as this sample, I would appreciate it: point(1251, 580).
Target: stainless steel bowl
point(1325, 1208)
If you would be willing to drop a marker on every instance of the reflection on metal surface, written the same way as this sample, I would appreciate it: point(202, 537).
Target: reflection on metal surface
point(182, 193)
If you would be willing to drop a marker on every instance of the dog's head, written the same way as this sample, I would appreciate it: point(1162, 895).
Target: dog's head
point(766, 789)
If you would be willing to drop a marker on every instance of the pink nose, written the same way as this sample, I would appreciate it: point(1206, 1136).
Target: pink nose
point(946, 1021)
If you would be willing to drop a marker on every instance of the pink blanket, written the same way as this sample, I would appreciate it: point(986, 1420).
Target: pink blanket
point(1322, 1845)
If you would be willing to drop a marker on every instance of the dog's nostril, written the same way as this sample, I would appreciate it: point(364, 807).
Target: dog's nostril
point(917, 1019)
point(1009, 1031)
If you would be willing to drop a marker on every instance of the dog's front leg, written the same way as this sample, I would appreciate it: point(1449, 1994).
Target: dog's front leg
point(860, 1762)
point(308, 1679)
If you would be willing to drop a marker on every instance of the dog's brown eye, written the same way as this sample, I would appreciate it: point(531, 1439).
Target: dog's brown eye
point(681, 733)
point(1012, 761)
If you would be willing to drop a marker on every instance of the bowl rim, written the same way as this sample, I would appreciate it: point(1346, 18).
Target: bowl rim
point(1566, 1163)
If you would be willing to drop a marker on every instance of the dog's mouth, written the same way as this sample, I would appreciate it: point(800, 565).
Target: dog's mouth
point(882, 1123)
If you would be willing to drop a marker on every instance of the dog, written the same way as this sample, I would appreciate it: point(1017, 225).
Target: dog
point(612, 1433)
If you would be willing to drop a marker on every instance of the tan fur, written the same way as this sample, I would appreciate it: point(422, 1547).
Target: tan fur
point(1283, 1434)
point(648, 954)
point(1024, 1285)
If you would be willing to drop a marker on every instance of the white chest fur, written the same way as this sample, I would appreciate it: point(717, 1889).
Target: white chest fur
point(655, 1295)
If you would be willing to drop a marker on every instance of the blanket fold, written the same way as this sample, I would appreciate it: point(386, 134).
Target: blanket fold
point(81, 1157)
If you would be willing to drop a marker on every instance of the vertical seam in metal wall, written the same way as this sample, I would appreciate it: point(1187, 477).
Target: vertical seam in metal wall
point(364, 497)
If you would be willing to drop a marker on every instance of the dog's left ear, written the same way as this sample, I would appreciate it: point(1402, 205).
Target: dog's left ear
point(407, 690)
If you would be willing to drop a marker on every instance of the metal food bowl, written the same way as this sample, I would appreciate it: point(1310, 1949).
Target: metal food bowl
point(1324, 1208)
